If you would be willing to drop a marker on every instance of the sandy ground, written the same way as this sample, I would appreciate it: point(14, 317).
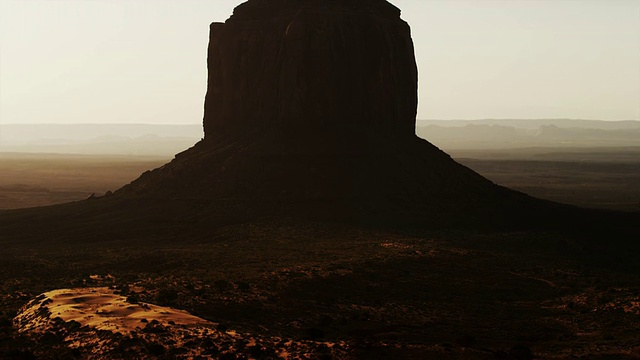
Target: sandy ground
point(98, 321)
point(101, 309)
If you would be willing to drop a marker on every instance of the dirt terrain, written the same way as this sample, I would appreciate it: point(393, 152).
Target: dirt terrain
point(595, 178)
point(45, 179)
point(607, 179)
point(382, 294)
point(293, 286)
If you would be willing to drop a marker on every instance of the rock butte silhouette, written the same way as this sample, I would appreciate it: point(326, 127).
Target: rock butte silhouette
point(310, 112)
point(310, 109)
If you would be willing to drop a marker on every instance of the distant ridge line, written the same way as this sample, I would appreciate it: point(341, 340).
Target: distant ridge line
point(537, 123)
point(419, 120)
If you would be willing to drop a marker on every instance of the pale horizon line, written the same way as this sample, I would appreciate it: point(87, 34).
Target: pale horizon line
point(430, 119)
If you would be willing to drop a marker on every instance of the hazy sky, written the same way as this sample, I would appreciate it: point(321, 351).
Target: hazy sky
point(142, 61)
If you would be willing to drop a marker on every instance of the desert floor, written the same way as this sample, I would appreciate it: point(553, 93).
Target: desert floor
point(605, 178)
point(292, 287)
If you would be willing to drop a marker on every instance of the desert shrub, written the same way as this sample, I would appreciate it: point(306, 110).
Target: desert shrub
point(259, 352)
point(211, 349)
point(243, 286)
point(227, 356)
point(18, 355)
point(466, 340)
point(124, 290)
point(72, 325)
point(155, 349)
point(314, 333)
point(223, 285)
point(175, 351)
point(154, 327)
point(133, 298)
point(167, 295)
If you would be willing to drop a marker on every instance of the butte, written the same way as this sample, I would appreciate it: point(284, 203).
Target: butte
point(310, 110)
point(310, 113)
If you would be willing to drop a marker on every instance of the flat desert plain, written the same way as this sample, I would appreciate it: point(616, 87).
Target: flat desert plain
point(288, 288)
point(607, 178)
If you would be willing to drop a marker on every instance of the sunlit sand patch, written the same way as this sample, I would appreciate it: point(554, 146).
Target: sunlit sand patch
point(81, 317)
point(100, 323)
point(103, 309)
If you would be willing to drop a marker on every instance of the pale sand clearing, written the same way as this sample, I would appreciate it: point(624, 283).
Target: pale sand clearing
point(81, 317)
point(103, 309)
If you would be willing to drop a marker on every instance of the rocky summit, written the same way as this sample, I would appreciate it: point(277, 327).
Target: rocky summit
point(295, 67)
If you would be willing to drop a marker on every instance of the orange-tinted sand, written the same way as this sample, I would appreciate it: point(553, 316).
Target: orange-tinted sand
point(103, 309)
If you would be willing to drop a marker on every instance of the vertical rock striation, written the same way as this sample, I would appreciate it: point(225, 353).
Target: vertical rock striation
point(324, 66)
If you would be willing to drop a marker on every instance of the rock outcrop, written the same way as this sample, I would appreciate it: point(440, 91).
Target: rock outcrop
point(99, 323)
point(311, 66)
point(310, 110)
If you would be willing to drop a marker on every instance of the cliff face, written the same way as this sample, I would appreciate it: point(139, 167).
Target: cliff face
point(310, 111)
point(328, 66)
